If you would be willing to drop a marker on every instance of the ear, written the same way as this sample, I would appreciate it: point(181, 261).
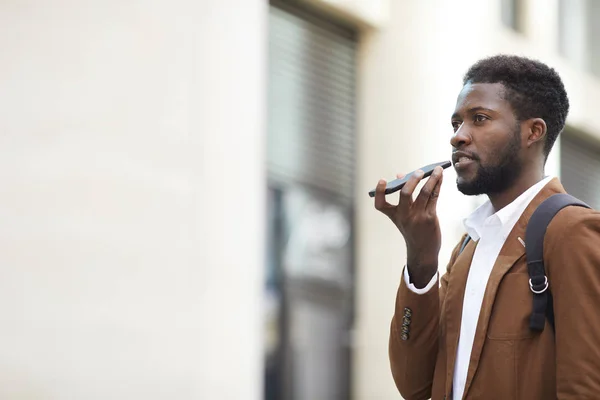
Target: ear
point(536, 131)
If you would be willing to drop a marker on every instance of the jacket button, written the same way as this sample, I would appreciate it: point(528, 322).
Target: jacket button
point(404, 336)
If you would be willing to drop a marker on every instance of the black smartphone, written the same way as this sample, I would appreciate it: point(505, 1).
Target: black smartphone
point(397, 184)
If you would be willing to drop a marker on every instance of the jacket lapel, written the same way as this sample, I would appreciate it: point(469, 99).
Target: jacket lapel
point(452, 307)
point(511, 252)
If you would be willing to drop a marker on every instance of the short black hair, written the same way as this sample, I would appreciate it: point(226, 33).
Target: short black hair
point(533, 89)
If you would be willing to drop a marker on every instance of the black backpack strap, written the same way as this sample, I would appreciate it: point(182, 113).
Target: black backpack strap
point(464, 244)
point(534, 241)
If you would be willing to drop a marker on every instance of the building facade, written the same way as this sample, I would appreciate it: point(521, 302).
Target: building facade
point(410, 58)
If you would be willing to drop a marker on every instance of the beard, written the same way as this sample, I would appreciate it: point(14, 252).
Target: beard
point(499, 177)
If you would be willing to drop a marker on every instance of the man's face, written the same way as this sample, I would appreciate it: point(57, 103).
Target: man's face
point(486, 140)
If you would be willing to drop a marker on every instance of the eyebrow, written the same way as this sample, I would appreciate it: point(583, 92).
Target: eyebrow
point(472, 111)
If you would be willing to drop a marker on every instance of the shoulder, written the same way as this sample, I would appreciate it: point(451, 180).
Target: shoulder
point(572, 253)
point(574, 217)
point(573, 226)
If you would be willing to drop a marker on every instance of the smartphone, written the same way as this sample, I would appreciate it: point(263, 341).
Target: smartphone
point(397, 184)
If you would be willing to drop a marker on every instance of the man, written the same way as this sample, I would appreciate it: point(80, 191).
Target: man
point(469, 336)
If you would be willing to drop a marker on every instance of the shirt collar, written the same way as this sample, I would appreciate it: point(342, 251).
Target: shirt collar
point(507, 216)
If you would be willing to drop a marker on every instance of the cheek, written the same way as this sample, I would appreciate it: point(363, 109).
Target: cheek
point(490, 156)
point(494, 149)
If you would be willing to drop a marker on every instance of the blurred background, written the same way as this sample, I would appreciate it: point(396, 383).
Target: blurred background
point(183, 202)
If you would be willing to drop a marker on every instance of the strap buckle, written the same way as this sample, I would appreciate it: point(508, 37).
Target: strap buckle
point(539, 289)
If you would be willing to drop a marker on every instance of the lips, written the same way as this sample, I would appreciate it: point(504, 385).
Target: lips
point(461, 159)
point(462, 164)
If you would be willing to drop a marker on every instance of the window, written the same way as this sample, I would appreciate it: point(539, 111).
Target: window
point(310, 164)
point(571, 31)
point(593, 35)
point(580, 168)
point(512, 14)
point(578, 32)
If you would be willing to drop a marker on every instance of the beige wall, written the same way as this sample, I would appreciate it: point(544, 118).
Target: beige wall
point(128, 268)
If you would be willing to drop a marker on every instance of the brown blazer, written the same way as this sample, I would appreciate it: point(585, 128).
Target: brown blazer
point(508, 360)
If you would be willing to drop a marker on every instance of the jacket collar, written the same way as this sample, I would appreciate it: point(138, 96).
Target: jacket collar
point(511, 252)
point(506, 217)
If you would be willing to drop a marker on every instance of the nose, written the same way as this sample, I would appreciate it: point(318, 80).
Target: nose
point(460, 138)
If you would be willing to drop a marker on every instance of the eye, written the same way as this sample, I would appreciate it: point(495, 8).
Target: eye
point(456, 125)
point(480, 118)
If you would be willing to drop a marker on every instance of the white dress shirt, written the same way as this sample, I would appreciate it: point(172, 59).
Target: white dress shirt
point(490, 229)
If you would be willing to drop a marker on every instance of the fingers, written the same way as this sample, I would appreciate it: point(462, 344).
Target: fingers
point(430, 191)
point(406, 194)
point(435, 194)
point(380, 203)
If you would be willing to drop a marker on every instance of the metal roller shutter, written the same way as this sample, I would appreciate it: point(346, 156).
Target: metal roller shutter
point(580, 168)
point(310, 160)
point(311, 134)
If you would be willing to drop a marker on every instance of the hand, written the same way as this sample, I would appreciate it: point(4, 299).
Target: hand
point(418, 222)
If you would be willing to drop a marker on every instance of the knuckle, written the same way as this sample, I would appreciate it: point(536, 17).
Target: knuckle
point(423, 218)
point(423, 221)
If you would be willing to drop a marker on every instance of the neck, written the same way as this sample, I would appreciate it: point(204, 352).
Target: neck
point(525, 181)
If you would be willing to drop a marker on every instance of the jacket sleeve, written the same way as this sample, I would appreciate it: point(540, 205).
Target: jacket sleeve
point(572, 254)
point(414, 335)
